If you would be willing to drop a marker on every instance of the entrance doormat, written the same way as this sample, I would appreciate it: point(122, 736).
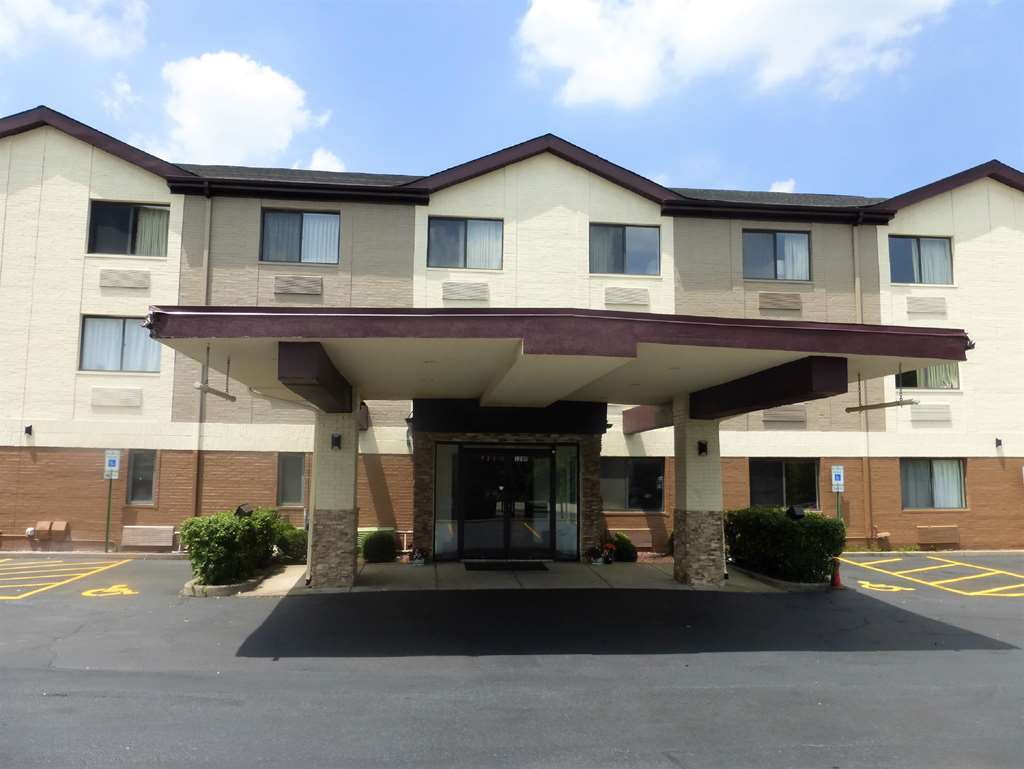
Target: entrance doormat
point(505, 566)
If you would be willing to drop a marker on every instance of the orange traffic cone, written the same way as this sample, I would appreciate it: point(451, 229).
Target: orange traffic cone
point(837, 583)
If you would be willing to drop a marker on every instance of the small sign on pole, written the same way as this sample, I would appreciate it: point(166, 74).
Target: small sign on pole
point(111, 465)
point(838, 478)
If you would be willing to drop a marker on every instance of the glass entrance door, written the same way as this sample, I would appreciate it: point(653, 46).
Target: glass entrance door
point(507, 503)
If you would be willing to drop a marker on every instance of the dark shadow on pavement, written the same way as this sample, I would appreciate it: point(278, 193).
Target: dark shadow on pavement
point(509, 622)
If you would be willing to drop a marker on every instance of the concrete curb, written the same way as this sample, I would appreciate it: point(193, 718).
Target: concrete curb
point(781, 584)
point(193, 589)
point(93, 553)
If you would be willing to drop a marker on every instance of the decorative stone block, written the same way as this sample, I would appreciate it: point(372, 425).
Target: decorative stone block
point(333, 543)
point(699, 541)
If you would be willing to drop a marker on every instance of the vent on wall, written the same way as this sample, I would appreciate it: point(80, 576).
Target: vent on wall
point(775, 300)
point(124, 278)
point(931, 412)
point(452, 290)
point(117, 397)
point(796, 414)
point(926, 305)
point(298, 284)
point(622, 295)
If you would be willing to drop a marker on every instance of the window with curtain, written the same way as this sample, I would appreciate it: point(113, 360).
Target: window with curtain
point(307, 237)
point(932, 483)
point(465, 243)
point(141, 470)
point(633, 484)
point(944, 376)
point(920, 260)
point(117, 344)
point(620, 249)
point(769, 255)
point(128, 228)
point(784, 482)
point(291, 485)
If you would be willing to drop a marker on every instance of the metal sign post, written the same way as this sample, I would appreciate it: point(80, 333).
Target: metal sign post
point(111, 471)
point(838, 486)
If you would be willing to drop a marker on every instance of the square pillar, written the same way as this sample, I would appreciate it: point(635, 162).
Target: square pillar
point(423, 491)
point(333, 512)
point(591, 517)
point(699, 540)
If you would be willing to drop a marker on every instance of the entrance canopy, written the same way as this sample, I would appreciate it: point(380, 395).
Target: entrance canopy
point(536, 357)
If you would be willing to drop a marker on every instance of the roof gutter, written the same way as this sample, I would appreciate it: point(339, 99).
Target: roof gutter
point(196, 185)
point(770, 211)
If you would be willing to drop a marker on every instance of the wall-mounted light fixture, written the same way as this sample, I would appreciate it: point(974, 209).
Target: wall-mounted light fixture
point(702, 448)
point(999, 443)
point(28, 430)
point(335, 441)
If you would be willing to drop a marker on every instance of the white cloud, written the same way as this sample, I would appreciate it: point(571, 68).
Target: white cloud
point(325, 160)
point(228, 108)
point(628, 52)
point(119, 96)
point(101, 27)
point(783, 185)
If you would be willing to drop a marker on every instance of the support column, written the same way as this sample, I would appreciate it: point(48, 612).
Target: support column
point(423, 492)
point(333, 511)
point(699, 541)
point(591, 504)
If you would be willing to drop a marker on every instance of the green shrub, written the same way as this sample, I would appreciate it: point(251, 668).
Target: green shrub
point(379, 547)
point(225, 548)
point(291, 541)
point(625, 550)
point(766, 540)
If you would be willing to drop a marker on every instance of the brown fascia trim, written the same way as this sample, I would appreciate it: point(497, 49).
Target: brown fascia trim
point(691, 207)
point(198, 185)
point(557, 331)
point(44, 116)
point(993, 169)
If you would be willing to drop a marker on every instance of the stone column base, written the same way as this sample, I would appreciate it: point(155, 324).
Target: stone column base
point(699, 545)
point(332, 548)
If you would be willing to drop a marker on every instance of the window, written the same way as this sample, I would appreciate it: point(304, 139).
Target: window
point(128, 228)
point(290, 480)
point(117, 344)
point(776, 255)
point(141, 465)
point(932, 483)
point(784, 482)
point(466, 243)
point(625, 250)
point(920, 260)
point(308, 237)
point(633, 484)
point(944, 376)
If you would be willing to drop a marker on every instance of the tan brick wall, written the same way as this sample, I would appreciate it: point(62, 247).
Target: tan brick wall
point(385, 490)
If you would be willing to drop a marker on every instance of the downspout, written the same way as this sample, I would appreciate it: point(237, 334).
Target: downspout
point(205, 372)
point(858, 295)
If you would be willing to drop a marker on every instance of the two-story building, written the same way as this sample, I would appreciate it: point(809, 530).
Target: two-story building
point(502, 359)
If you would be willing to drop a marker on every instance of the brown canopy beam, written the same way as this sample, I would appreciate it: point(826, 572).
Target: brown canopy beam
point(307, 370)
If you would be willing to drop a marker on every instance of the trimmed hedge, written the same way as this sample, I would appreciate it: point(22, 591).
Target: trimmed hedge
point(625, 550)
point(226, 548)
point(768, 541)
point(379, 547)
point(290, 542)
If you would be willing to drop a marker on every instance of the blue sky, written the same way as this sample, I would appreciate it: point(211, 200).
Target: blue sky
point(853, 97)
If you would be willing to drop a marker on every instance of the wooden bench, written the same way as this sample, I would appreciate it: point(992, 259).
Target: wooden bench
point(944, 535)
point(147, 537)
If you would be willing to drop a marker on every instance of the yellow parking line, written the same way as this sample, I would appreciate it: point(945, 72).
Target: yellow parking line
point(16, 565)
point(980, 594)
point(973, 566)
point(21, 585)
point(992, 590)
point(926, 568)
point(5, 560)
point(53, 569)
point(875, 563)
point(63, 582)
point(969, 576)
point(57, 575)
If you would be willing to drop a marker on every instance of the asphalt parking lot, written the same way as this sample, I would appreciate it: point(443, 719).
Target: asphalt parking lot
point(110, 667)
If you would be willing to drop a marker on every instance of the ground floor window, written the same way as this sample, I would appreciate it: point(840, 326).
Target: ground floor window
point(784, 482)
point(141, 468)
point(932, 483)
point(633, 484)
point(290, 478)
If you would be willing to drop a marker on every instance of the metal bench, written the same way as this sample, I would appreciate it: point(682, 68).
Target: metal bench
point(147, 537)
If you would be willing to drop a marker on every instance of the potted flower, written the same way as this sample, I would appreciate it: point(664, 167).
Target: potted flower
point(608, 552)
point(418, 557)
point(595, 555)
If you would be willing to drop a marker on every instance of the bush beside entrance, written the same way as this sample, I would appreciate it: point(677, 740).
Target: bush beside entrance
point(768, 541)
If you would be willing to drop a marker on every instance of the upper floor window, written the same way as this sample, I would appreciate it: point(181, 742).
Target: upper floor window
point(310, 237)
point(932, 483)
point(117, 344)
point(633, 484)
point(625, 249)
point(776, 255)
point(920, 260)
point(128, 228)
point(469, 243)
point(784, 482)
point(944, 376)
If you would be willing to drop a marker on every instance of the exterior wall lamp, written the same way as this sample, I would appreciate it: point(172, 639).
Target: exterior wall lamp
point(335, 441)
point(702, 448)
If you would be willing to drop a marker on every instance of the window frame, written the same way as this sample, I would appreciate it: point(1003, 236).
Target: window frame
point(129, 499)
point(302, 229)
point(629, 462)
point(775, 254)
point(931, 478)
point(133, 227)
point(121, 369)
point(918, 238)
point(465, 242)
point(782, 466)
point(302, 483)
point(624, 227)
point(900, 386)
